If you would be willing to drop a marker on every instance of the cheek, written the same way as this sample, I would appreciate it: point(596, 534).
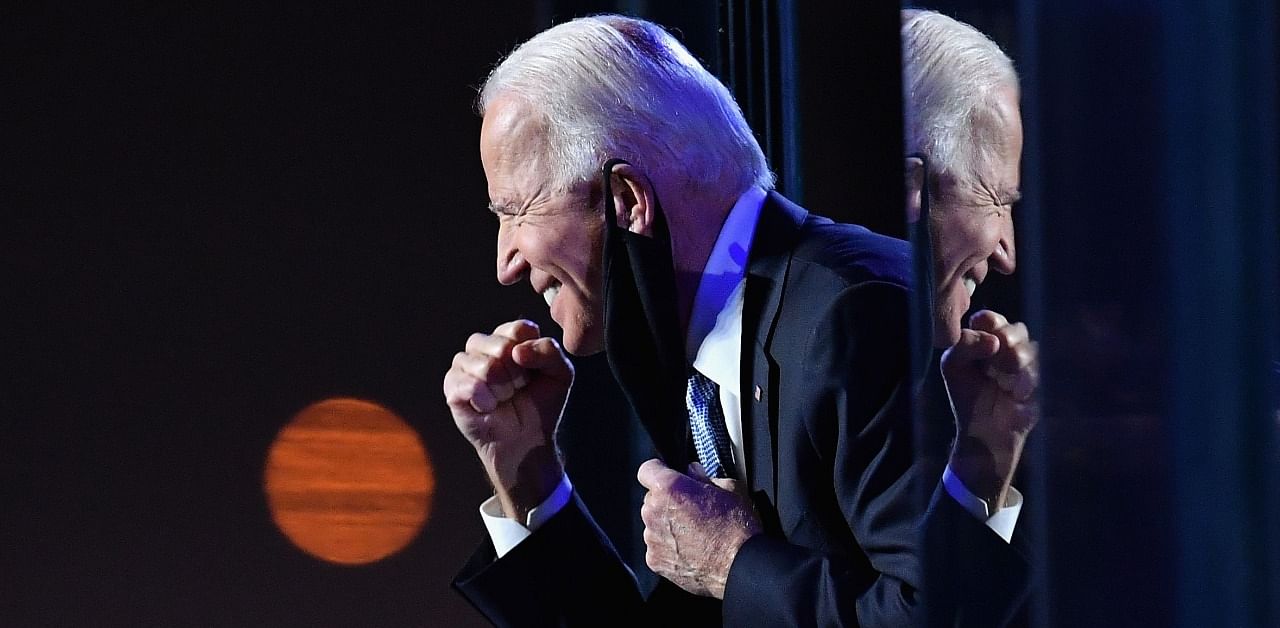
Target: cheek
point(966, 242)
point(583, 254)
point(570, 254)
point(950, 250)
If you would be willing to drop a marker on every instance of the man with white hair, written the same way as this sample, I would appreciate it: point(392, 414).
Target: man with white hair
point(765, 349)
point(964, 141)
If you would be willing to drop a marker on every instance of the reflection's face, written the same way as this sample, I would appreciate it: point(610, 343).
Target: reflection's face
point(551, 237)
point(972, 225)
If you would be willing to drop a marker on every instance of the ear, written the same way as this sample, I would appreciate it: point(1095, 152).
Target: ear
point(915, 172)
point(633, 199)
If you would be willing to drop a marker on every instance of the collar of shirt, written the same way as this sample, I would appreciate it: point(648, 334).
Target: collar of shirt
point(714, 342)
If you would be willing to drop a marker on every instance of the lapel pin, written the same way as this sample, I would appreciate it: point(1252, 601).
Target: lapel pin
point(757, 393)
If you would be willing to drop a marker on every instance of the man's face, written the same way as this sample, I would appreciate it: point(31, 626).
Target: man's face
point(551, 237)
point(972, 225)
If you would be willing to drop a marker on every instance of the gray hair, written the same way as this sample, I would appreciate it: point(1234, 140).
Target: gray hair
point(611, 86)
point(951, 74)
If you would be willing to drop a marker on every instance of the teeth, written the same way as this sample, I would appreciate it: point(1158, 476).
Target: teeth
point(550, 293)
point(970, 285)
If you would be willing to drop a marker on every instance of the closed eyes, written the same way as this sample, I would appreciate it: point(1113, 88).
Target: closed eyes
point(502, 210)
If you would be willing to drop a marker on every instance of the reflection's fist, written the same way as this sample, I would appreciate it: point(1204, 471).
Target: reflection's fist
point(991, 374)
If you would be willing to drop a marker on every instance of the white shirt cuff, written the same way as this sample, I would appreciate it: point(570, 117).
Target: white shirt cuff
point(506, 533)
point(1002, 521)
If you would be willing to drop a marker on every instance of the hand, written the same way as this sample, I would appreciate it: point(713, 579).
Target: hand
point(506, 392)
point(693, 526)
point(992, 375)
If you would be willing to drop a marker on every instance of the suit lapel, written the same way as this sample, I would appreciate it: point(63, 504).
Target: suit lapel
point(770, 259)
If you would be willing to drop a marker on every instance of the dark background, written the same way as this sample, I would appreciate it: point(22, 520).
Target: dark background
point(215, 217)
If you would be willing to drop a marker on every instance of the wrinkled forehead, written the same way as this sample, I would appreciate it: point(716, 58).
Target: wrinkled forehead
point(508, 115)
point(513, 138)
point(1009, 115)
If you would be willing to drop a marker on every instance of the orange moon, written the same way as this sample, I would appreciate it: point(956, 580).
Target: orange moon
point(348, 481)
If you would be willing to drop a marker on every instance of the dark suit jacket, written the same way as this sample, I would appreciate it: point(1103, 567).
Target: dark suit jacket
point(828, 440)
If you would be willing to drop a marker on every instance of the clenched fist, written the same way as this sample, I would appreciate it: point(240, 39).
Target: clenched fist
point(506, 391)
point(992, 375)
point(693, 526)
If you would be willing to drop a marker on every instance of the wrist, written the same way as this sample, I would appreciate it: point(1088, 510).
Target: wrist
point(523, 484)
point(986, 465)
point(741, 532)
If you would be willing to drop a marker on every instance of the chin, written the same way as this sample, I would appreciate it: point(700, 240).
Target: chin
point(945, 336)
point(946, 330)
point(948, 312)
point(583, 342)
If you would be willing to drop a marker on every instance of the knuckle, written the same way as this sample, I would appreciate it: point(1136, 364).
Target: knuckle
point(457, 384)
point(485, 369)
point(475, 340)
point(508, 327)
point(648, 515)
point(451, 397)
point(1025, 357)
point(473, 388)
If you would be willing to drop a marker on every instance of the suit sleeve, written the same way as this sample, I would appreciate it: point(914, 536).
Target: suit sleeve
point(567, 573)
point(858, 413)
point(972, 576)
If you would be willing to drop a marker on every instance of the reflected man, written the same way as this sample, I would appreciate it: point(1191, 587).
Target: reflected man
point(964, 138)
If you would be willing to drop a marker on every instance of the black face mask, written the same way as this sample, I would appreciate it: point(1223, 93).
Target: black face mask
point(921, 237)
point(642, 336)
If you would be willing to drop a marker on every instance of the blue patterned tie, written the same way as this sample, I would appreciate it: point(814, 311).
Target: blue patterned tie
point(706, 420)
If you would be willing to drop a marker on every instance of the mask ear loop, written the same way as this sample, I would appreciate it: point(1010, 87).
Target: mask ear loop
point(661, 233)
point(610, 210)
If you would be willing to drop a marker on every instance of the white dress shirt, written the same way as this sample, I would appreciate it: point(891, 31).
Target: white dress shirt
point(714, 347)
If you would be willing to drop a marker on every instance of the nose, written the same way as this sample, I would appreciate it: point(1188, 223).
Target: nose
point(1005, 259)
point(511, 264)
